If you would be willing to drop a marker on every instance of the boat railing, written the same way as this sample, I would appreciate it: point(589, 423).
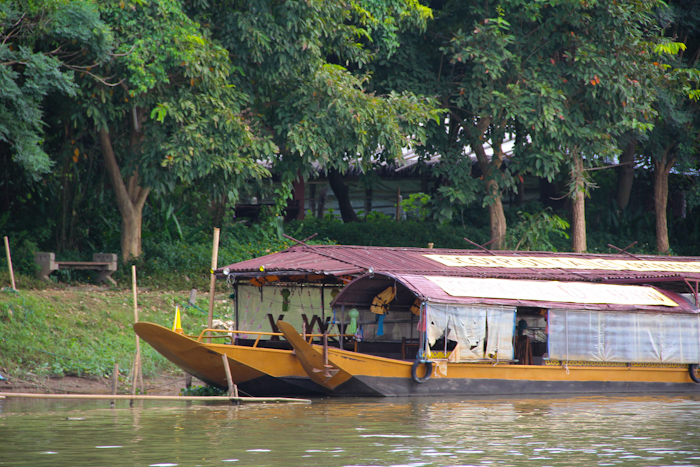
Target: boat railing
point(228, 334)
point(347, 337)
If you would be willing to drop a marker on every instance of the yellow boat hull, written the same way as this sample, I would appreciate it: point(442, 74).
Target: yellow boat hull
point(272, 372)
point(256, 371)
point(389, 377)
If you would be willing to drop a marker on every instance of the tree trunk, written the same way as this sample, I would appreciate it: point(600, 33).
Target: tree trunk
point(497, 223)
point(131, 234)
point(490, 171)
point(66, 210)
point(321, 203)
point(625, 175)
point(342, 194)
point(662, 168)
point(578, 207)
point(130, 200)
point(295, 205)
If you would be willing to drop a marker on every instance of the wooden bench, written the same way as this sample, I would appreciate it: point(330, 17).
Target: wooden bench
point(104, 263)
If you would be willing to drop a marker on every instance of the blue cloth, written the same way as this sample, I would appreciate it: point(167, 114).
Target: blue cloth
point(380, 325)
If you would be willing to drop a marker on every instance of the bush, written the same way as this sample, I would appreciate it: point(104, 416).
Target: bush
point(536, 231)
point(388, 232)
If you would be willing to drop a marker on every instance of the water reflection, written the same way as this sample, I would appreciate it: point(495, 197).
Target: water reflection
point(641, 431)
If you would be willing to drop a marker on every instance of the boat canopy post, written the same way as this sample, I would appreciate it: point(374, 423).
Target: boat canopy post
point(323, 309)
point(340, 327)
point(235, 305)
point(423, 323)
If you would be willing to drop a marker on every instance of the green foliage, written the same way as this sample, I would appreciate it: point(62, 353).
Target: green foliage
point(202, 391)
point(302, 65)
point(416, 207)
point(41, 44)
point(180, 264)
point(563, 78)
point(173, 72)
point(322, 85)
point(535, 230)
point(380, 231)
point(685, 234)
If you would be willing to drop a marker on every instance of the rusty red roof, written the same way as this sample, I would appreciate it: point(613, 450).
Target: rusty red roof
point(339, 260)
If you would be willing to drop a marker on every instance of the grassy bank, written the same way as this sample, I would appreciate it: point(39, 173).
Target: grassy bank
point(83, 330)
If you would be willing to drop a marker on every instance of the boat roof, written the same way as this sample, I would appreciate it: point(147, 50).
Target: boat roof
point(326, 263)
point(453, 290)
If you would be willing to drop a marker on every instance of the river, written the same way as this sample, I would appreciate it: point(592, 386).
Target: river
point(590, 431)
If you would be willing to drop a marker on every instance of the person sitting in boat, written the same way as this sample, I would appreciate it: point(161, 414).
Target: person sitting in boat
point(522, 326)
point(544, 314)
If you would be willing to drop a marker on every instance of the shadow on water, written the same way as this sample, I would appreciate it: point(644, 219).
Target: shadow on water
point(602, 431)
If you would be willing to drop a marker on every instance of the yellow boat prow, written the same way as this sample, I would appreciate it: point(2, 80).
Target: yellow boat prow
point(256, 370)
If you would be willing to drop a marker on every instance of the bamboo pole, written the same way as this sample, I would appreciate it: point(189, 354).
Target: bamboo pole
point(115, 378)
point(9, 263)
point(232, 388)
point(212, 282)
point(137, 358)
point(144, 397)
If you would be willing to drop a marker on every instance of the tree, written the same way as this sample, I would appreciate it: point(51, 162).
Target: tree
point(564, 77)
point(303, 65)
point(672, 143)
point(42, 44)
point(581, 83)
point(164, 111)
point(607, 80)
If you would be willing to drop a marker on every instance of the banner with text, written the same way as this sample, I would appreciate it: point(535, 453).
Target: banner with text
point(538, 262)
point(551, 291)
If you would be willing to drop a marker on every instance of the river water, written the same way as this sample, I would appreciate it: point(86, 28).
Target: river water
point(575, 431)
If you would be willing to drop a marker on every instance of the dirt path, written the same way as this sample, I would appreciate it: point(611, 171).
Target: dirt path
point(162, 385)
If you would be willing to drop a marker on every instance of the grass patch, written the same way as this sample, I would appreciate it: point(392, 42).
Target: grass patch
point(84, 331)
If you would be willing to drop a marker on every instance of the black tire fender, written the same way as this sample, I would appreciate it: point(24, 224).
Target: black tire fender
point(428, 371)
point(692, 370)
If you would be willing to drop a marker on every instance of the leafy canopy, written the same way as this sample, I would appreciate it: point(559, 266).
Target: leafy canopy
point(42, 44)
point(303, 67)
point(168, 82)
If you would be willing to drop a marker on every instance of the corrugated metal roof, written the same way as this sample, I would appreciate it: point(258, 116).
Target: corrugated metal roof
point(336, 260)
point(361, 291)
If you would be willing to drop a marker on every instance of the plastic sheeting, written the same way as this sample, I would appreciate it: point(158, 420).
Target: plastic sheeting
point(501, 326)
point(624, 337)
point(470, 327)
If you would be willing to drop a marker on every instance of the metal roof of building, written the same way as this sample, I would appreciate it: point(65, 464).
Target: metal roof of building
point(675, 273)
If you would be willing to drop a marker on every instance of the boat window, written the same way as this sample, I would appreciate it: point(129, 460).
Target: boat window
point(531, 335)
point(623, 336)
point(480, 331)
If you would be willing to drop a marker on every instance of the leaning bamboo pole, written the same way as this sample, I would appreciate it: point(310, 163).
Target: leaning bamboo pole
point(232, 387)
point(9, 263)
